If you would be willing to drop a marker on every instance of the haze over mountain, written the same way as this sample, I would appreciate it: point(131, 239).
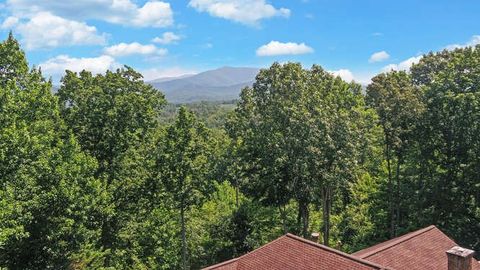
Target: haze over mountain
point(214, 85)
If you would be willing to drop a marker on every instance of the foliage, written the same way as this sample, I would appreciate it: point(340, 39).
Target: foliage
point(449, 143)
point(47, 188)
point(299, 133)
point(13, 63)
point(105, 175)
point(213, 114)
point(114, 116)
point(183, 166)
point(399, 106)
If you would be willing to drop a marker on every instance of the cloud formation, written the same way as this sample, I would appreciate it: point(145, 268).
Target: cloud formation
point(45, 30)
point(167, 38)
point(279, 48)
point(345, 74)
point(379, 57)
point(475, 40)
point(404, 65)
point(125, 49)
point(249, 12)
point(152, 14)
point(9, 22)
point(56, 66)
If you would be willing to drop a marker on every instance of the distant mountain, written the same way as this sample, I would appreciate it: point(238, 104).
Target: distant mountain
point(166, 79)
point(214, 85)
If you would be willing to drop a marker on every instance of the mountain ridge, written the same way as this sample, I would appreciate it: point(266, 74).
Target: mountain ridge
point(220, 84)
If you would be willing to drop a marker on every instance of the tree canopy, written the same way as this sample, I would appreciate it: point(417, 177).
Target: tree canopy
point(104, 174)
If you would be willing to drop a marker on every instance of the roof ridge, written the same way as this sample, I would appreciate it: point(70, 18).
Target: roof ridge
point(248, 253)
point(220, 264)
point(338, 252)
point(398, 240)
point(263, 246)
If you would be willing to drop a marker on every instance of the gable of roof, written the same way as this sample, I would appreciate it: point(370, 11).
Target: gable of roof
point(291, 252)
point(418, 250)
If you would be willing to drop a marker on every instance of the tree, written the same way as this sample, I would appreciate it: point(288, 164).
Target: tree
point(13, 63)
point(115, 117)
point(449, 143)
point(47, 186)
point(361, 221)
point(399, 106)
point(299, 132)
point(109, 113)
point(183, 166)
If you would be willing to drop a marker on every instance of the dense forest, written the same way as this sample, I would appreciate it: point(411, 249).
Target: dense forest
point(104, 174)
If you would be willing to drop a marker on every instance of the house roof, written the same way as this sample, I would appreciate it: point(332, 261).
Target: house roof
point(291, 252)
point(418, 250)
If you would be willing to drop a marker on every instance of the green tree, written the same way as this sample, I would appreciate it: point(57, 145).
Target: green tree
point(361, 221)
point(183, 166)
point(299, 136)
point(399, 106)
point(449, 144)
point(109, 113)
point(115, 118)
point(13, 63)
point(47, 186)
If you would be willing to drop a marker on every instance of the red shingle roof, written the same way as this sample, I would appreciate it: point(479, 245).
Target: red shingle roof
point(419, 250)
point(291, 252)
point(424, 249)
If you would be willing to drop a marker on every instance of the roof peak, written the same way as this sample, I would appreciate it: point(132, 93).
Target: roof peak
point(397, 240)
point(343, 254)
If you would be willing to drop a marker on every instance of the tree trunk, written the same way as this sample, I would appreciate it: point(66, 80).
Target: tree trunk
point(236, 193)
point(184, 238)
point(327, 202)
point(397, 195)
point(390, 187)
point(303, 217)
point(281, 209)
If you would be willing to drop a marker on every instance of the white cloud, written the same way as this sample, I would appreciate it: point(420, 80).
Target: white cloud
point(124, 49)
point(363, 78)
point(404, 65)
point(56, 66)
point(156, 73)
point(9, 22)
point(475, 40)
point(345, 74)
point(249, 12)
point(279, 48)
point(379, 57)
point(156, 14)
point(44, 30)
point(153, 13)
point(167, 38)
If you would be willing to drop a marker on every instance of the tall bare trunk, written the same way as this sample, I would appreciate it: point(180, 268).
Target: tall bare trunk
point(398, 190)
point(184, 238)
point(327, 203)
point(236, 193)
point(283, 215)
point(390, 187)
point(303, 217)
point(306, 219)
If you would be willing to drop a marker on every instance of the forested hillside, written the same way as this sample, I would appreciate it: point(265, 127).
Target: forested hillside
point(105, 174)
point(217, 85)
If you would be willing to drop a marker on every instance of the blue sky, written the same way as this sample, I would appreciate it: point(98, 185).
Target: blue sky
point(352, 38)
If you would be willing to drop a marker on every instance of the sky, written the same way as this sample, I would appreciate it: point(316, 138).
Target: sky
point(354, 39)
